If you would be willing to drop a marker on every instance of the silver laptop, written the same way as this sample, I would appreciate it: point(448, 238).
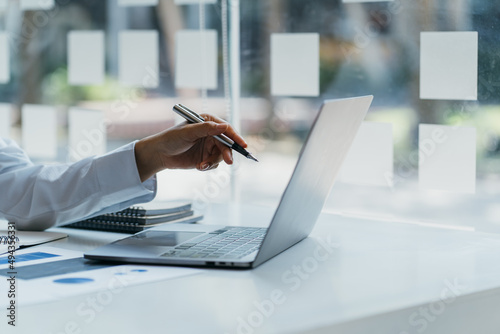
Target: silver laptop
point(319, 163)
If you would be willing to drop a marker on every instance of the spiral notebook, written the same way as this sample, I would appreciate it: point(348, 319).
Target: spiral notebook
point(121, 227)
point(155, 208)
point(140, 217)
point(137, 219)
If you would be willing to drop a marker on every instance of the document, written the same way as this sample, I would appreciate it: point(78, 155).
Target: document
point(45, 274)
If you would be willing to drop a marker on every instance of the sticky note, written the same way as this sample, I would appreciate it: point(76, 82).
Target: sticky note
point(358, 1)
point(5, 120)
point(448, 65)
point(295, 64)
point(370, 158)
point(138, 65)
point(193, 2)
point(39, 131)
point(86, 57)
point(137, 2)
point(196, 59)
point(87, 133)
point(4, 58)
point(4, 4)
point(36, 4)
point(447, 158)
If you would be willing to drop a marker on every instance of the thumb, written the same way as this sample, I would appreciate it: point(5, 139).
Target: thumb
point(193, 132)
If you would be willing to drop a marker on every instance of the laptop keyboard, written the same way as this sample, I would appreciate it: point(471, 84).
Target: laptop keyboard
point(228, 242)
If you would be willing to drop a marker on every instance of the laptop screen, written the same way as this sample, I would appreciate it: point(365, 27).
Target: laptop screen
point(320, 160)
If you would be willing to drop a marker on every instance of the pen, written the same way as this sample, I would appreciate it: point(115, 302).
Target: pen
point(193, 117)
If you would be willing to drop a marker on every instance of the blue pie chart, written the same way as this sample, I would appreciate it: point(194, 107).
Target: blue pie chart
point(73, 280)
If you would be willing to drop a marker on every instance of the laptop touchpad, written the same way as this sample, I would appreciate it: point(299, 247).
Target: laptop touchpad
point(158, 238)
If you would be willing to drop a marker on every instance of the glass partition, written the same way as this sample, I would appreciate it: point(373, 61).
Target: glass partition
point(428, 153)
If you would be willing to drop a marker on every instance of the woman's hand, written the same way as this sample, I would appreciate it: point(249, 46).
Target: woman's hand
point(186, 146)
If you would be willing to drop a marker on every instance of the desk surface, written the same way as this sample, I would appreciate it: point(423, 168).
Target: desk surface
point(349, 276)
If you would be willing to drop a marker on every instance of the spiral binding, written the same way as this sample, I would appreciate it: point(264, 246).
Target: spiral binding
point(134, 219)
point(118, 227)
point(5, 240)
point(132, 211)
point(125, 220)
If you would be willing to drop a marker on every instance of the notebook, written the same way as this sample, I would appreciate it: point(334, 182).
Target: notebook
point(135, 219)
point(155, 208)
point(140, 217)
point(124, 227)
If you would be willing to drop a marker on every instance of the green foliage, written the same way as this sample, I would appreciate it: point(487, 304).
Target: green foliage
point(57, 91)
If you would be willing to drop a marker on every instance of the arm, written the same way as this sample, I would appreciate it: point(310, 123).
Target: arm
point(37, 196)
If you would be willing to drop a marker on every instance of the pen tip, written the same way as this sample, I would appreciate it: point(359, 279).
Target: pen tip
point(250, 156)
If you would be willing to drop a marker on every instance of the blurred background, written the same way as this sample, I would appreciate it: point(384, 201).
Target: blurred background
point(365, 48)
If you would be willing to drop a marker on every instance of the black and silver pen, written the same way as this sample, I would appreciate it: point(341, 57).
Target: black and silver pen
point(193, 117)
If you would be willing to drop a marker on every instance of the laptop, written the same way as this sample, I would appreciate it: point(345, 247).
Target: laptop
point(320, 160)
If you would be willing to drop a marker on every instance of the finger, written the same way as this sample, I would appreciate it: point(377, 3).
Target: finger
point(215, 155)
point(214, 166)
point(230, 132)
point(227, 153)
point(209, 163)
point(193, 132)
point(223, 150)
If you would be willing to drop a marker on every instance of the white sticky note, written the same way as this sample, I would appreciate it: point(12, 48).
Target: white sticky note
point(370, 158)
point(87, 133)
point(39, 131)
point(447, 158)
point(448, 65)
point(36, 4)
point(139, 59)
point(196, 59)
point(5, 120)
point(4, 58)
point(86, 57)
point(295, 64)
point(137, 2)
point(358, 1)
point(193, 2)
point(4, 4)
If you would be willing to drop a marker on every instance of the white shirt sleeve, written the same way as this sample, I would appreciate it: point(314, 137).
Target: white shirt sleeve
point(37, 197)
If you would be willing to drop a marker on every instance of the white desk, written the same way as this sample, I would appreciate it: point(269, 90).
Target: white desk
point(380, 278)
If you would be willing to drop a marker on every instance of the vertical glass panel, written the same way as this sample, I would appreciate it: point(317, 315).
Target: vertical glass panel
point(363, 48)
